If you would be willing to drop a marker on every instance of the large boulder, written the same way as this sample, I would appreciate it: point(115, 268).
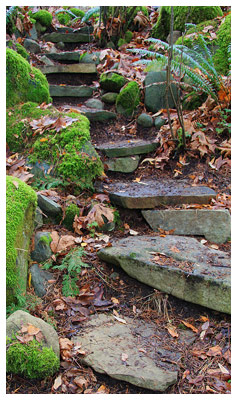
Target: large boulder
point(155, 92)
point(177, 265)
point(20, 213)
point(182, 15)
point(24, 82)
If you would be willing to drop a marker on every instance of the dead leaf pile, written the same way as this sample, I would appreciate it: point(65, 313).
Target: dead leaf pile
point(16, 167)
point(29, 332)
point(47, 122)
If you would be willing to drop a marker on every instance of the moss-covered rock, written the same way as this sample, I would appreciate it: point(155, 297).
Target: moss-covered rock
point(128, 99)
point(222, 56)
point(71, 211)
point(69, 150)
point(19, 49)
point(21, 201)
point(63, 18)
point(182, 15)
point(30, 360)
point(43, 17)
point(112, 82)
point(24, 83)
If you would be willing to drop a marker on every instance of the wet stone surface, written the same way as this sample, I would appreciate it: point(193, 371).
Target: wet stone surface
point(134, 351)
point(127, 147)
point(177, 265)
point(153, 193)
point(71, 69)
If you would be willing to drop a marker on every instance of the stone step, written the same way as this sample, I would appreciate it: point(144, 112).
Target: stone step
point(80, 68)
point(176, 265)
point(127, 147)
point(74, 56)
point(213, 224)
point(71, 91)
point(123, 164)
point(69, 37)
point(104, 340)
point(93, 114)
point(153, 193)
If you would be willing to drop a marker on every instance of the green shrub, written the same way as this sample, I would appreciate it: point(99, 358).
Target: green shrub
point(222, 56)
point(31, 360)
point(43, 17)
point(128, 99)
point(23, 82)
point(182, 15)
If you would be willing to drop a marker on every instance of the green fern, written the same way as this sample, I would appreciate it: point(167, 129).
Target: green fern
point(186, 62)
point(89, 13)
point(72, 265)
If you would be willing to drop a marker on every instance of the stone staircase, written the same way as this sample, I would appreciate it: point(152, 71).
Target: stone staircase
point(176, 264)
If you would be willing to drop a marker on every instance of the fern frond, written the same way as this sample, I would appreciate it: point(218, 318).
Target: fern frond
point(90, 12)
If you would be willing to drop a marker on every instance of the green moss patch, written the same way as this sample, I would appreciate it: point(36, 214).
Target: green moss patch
point(30, 360)
point(71, 211)
point(222, 56)
point(183, 15)
point(43, 17)
point(24, 83)
point(112, 82)
point(128, 99)
point(69, 150)
point(21, 203)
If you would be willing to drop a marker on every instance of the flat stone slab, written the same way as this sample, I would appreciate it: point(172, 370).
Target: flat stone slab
point(64, 56)
point(135, 351)
point(78, 37)
point(71, 91)
point(93, 114)
point(79, 68)
point(153, 193)
point(178, 265)
point(127, 147)
point(123, 164)
point(215, 225)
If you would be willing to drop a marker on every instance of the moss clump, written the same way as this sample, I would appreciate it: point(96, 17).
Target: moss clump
point(22, 51)
point(77, 12)
point(17, 123)
point(24, 83)
point(121, 42)
point(188, 41)
point(128, 36)
point(112, 82)
point(30, 360)
point(197, 14)
point(128, 99)
point(43, 17)
point(71, 212)
point(69, 150)
point(21, 203)
point(222, 56)
point(63, 18)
